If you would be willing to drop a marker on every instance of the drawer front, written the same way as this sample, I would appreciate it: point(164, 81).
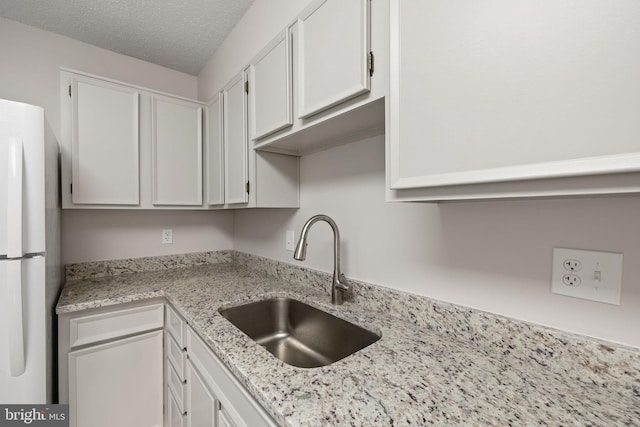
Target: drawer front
point(240, 406)
point(175, 416)
point(177, 356)
point(176, 326)
point(176, 386)
point(105, 326)
point(224, 420)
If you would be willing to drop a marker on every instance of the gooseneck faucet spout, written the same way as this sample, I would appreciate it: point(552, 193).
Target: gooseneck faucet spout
point(340, 284)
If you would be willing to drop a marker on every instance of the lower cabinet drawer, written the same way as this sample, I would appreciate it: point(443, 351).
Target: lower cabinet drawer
point(176, 326)
point(177, 356)
point(224, 420)
point(176, 386)
point(176, 417)
point(93, 328)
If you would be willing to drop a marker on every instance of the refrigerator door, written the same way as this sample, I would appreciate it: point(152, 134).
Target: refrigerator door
point(22, 186)
point(23, 352)
point(14, 319)
point(15, 159)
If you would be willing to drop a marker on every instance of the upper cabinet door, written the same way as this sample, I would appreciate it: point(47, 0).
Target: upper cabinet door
point(235, 141)
point(333, 49)
point(214, 153)
point(176, 151)
point(490, 94)
point(104, 143)
point(270, 88)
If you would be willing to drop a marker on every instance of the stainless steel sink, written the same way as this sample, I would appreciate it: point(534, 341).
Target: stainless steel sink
point(298, 334)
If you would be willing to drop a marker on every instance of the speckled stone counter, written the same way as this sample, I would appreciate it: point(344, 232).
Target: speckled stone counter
point(436, 363)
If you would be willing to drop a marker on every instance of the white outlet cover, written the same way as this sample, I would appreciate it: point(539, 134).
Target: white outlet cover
point(167, 236)
point(289, 237)
point(600, 275)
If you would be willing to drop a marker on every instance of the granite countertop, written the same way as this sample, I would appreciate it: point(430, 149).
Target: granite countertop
point(436, 364)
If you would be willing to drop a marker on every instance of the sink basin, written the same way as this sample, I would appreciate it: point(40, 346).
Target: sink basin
point(297, 333)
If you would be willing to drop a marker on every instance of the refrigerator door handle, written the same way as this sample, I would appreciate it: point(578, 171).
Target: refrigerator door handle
point(14, 199)
point(15, 325)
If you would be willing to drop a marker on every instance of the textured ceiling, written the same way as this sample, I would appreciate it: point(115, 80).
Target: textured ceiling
point(179, 34)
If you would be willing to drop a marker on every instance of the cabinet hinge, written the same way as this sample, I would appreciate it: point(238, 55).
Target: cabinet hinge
point(370, 63)
point(248, 187)
point(71, 188)
point(246, 86)
point(69, 90)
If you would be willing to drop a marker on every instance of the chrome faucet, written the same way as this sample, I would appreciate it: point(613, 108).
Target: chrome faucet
point(340, 283)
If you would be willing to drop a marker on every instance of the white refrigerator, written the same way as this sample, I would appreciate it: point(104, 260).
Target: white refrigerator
point(30, 269)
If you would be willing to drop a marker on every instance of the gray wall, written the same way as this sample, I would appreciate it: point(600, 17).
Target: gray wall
point(495, 256)
point(29, 73)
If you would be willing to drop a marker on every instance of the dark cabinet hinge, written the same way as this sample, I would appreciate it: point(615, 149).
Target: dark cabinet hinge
point(248, 187)
point(371, 64)
point(246, 86)
point(71, 188)
point(69, 90)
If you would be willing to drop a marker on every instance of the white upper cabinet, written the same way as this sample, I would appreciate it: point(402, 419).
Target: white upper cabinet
point(127, 147)
point(497, 99)
point(247, 178)
point(270, 88)
point(176, 151)
point(214, 153)
point(235, 141)
point(332, 54)
point(104, 143)
point(337, 90)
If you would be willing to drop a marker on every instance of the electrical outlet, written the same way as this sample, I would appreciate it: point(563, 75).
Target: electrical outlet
point(167, 236)
point(572, 265)
point(591, 275)
point(289, 238)
point(571, 280)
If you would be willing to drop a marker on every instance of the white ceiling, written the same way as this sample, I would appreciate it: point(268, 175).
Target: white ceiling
point(179, 34)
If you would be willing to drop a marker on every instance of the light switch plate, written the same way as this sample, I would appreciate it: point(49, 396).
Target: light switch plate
point(591, 275)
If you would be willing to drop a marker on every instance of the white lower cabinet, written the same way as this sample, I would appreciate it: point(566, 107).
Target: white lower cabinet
point(111, 366)
point(101, 389)
point(176, 386)
point(214, 396)
point(175, 373)
point(223, 418)
point(200, 390)
point(176, 417)
point(113, 371)
point(201, 403)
